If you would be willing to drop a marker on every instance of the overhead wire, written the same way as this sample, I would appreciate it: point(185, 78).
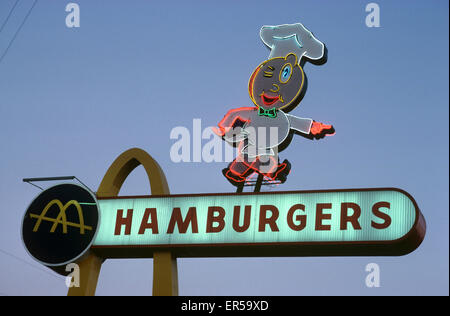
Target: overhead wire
point(1, 59)
point(9, 15)
point(17, 31)
point(29, 264)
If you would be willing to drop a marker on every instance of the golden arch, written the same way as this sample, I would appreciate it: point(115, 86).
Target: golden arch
point(61, 218)
point(165, 275)
point(124, 165)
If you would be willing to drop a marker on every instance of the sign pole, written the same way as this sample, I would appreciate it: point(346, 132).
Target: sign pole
point(89, 272)
point(165, 274)
point(259, 183)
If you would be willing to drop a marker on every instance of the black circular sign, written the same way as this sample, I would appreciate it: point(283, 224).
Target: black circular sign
point(60, 224)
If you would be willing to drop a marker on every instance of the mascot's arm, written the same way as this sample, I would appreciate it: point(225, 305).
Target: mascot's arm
point(231, 120)
point(310, 127)
point(302, 125)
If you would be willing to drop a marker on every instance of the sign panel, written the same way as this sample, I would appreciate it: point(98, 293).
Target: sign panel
point(296, 223)
point(60, 224)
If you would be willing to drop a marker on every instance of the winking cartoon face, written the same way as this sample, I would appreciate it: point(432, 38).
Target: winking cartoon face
point(277, 83)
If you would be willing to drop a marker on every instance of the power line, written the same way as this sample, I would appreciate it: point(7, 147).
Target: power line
point(9, 15)
point(18, 30)
point(31, 265)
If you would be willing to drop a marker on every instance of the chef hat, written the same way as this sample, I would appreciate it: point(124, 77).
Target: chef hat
point(292, 38)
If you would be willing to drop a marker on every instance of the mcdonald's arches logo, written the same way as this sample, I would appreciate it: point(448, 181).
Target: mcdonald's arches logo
point(60, 224)
point(62, 217)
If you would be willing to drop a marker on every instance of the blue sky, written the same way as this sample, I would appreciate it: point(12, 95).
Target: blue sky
point(73, 99)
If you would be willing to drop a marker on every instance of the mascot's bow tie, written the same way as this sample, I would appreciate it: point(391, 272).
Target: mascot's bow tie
point(269, 113)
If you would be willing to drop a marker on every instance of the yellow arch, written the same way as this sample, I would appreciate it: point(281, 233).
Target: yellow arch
point(124, 165)
point(165, 275)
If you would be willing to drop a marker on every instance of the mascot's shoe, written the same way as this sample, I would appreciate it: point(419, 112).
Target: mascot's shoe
point(281, 173)
point(234, 179)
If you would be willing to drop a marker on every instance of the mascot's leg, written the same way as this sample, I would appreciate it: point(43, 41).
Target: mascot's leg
point(241, 167)
point(271, 168)
point(267, 164)
point(239, 170)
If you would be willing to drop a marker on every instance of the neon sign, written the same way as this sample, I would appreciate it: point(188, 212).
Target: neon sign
point(349, 222)
point(276, 87)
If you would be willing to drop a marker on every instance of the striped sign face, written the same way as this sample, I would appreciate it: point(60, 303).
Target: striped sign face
point(296, 223)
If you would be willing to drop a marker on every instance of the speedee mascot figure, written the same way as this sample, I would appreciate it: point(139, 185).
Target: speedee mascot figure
point(276, 87)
